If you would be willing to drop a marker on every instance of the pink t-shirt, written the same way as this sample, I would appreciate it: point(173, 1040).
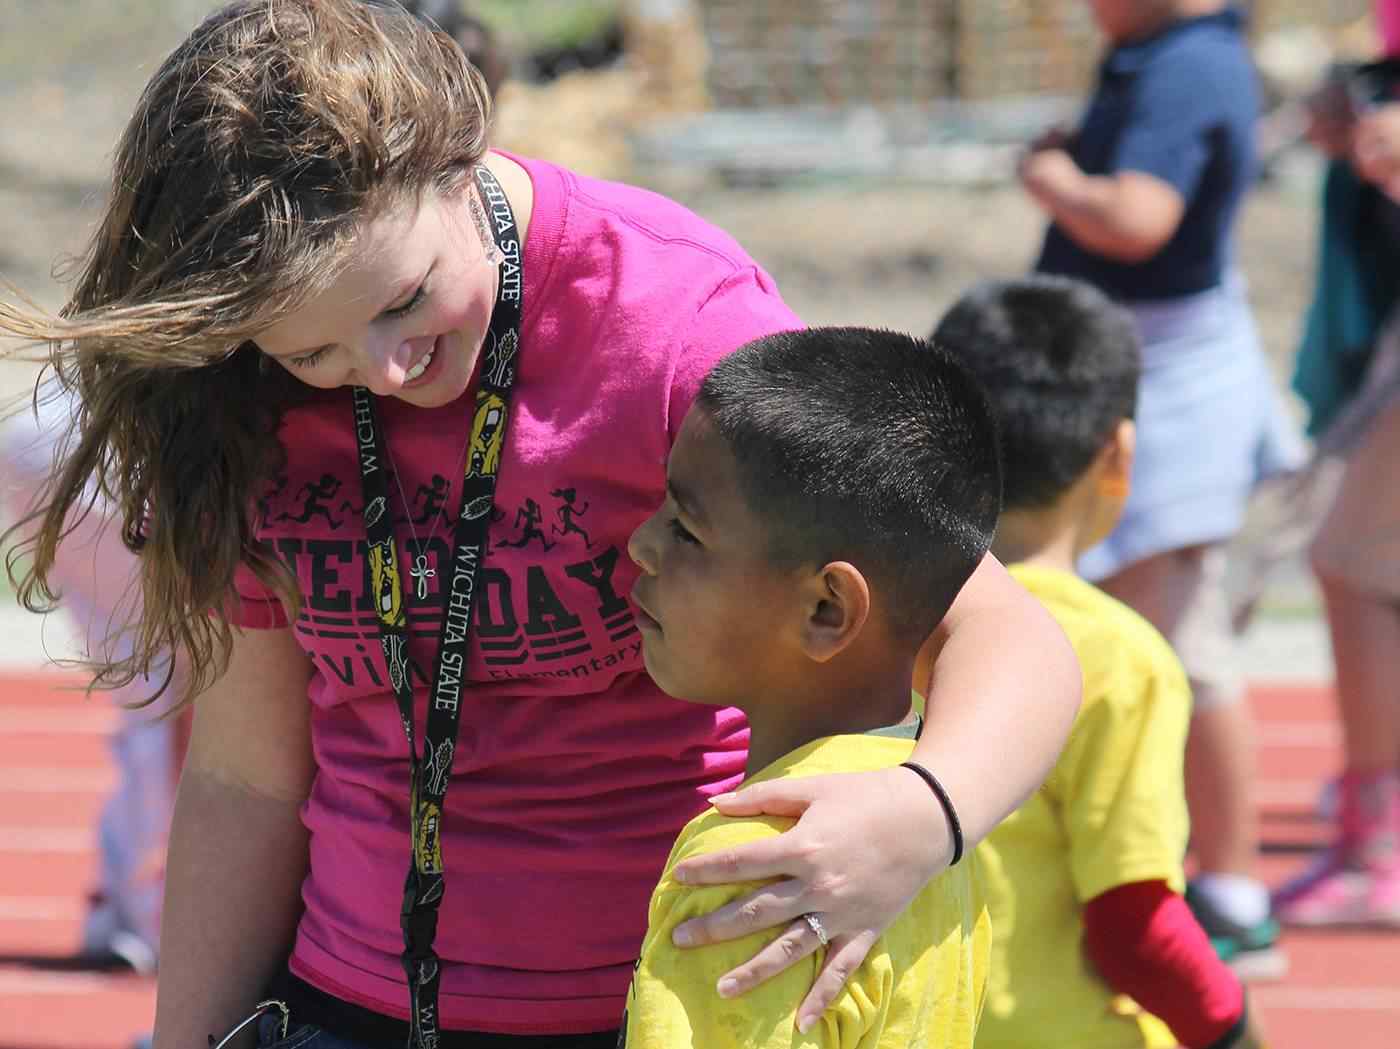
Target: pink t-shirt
point(1388, 23)
point(573, 773)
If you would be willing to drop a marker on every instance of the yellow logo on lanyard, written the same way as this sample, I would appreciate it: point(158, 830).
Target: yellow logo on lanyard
point(427, 841)
point(488, 435)
point(384, 584)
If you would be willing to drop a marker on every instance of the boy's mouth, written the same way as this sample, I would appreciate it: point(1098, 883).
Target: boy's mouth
point(645, 620)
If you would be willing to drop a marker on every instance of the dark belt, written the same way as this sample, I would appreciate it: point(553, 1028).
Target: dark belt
point(313, 1006)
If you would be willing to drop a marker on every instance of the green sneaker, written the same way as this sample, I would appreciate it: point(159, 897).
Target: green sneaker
point(1251, 951)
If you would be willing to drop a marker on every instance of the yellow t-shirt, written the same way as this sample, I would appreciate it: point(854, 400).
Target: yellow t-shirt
point(921, 985)
point(1112, 812)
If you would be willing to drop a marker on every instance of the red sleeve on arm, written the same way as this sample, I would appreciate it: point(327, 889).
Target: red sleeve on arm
point(1146, 943)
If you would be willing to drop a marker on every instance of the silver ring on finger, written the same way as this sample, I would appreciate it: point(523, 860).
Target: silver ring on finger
point(814, 922)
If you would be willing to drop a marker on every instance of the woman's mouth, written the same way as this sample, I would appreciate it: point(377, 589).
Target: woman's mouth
point(416, 372)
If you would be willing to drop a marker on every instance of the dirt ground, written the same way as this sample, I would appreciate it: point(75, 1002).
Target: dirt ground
point(856, 253)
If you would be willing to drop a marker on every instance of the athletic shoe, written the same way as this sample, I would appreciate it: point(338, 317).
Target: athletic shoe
point(1357, 880)
point(109, 944)
point(1252, 951)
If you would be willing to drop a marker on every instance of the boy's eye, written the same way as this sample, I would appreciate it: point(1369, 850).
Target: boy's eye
point(680, 532)
point(409, 306)
point(311, 359)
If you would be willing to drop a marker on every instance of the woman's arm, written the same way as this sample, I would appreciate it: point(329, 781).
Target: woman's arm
point(238, 850)
point(1003, 696)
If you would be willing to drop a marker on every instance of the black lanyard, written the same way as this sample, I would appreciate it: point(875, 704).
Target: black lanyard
point(429, 772)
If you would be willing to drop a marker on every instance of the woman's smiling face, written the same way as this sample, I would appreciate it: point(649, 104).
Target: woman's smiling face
point(406, 318)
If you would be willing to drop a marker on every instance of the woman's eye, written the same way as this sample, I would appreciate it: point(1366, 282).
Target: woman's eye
point(310, 360)
point(680, 532)
point(409, 306)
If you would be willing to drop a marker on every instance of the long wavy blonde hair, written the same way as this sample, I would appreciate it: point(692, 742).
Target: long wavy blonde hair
point(254, 154)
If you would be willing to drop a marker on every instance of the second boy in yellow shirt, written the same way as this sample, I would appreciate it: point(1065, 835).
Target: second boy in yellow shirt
point(1094, 947)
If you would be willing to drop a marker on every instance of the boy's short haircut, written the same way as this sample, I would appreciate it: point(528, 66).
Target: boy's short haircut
point(1060, 363)
point(867, 446)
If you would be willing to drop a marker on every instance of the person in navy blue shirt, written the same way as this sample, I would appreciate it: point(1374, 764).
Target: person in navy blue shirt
point(1143, 198)
point(1145, 195)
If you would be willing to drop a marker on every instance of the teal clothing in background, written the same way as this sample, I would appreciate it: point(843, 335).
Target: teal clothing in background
point(1358, 285)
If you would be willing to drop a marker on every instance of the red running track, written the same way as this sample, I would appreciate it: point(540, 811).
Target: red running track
point(1342, 991)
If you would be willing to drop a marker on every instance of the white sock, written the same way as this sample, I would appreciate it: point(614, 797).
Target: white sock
point(1241, 899)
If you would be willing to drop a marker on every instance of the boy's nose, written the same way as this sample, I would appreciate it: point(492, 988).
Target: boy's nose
point(638, 549)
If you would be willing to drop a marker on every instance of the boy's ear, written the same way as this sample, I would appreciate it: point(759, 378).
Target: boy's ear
point(1115, 463)
point(837, 611)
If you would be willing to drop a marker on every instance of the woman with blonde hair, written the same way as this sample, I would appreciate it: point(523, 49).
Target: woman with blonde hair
point(334, 355)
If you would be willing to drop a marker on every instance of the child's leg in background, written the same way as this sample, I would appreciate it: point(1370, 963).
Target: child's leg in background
point(132, 834)
point(1356, 558)
point(96, 579)
point(1182, 593)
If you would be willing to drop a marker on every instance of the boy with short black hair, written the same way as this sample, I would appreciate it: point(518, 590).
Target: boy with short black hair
point(1084, 880)
point(829, 493)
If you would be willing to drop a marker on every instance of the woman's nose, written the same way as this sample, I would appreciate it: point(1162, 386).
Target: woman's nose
point(386, 366)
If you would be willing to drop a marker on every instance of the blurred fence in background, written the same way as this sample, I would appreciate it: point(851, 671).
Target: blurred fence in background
point(774, 53)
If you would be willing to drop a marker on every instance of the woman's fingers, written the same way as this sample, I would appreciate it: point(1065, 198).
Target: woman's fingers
point(761, 909)
point(797, 942)
point(782, 856)
point(781, 798)
point(843, 958)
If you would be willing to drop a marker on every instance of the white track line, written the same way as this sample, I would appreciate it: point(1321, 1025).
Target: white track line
point(52, 780)
point(1301, 793)
point(30, 840)
point(16, 721)
point(1297, 734)
point(1328, 999)
point(24, 984)
point(41, 908)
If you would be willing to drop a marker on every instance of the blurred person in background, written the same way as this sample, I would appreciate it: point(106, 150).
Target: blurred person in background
point(474, 36)
point(1143, 198)
point(1348, 372)
point(95, 579)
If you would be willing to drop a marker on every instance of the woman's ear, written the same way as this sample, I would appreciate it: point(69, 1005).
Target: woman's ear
point(837, 611)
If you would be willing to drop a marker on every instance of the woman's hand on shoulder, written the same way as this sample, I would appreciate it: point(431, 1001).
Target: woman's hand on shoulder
point(865, 843)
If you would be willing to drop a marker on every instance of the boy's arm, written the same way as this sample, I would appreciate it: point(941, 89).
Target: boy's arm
point(674, 1002)
point(1120, 786)
point(1128, 217)
point(1133, 209)
point(675, 999)
point(1146, 943)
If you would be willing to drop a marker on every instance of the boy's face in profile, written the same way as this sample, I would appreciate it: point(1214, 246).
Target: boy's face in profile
point(713, 610)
